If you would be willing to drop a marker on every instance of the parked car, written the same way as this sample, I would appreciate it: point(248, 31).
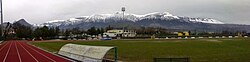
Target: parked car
point(106, 38)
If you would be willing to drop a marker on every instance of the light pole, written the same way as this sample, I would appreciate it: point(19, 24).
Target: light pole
point(2, 29)
point(123, 10)
point(123, 14)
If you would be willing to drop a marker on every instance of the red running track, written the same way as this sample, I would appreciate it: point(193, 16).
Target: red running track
point(20, 51)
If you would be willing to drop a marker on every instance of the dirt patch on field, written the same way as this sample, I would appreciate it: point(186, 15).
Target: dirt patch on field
point(227, 39)
point(212, 40)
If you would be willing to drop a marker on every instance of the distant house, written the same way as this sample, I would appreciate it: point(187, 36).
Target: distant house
point(120, 33)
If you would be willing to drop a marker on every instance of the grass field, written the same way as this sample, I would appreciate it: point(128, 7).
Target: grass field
point(198, 50)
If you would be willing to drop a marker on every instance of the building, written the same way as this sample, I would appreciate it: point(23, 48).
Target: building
point(120, 33)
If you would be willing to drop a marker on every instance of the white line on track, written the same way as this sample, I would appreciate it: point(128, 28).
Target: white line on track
point(28, 52)
point(20, 59)
point(53, 53)
point(40, 53)
point(3, 47)
point(7, 52)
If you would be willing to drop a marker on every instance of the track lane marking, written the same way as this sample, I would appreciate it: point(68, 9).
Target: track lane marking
point(20, 59)
point(7, 52)
point(28, 52)
point(3, 46)
point(39, 53)
point(46, 52)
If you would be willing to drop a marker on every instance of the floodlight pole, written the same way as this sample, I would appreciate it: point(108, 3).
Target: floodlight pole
point(123, 19)
point(123, 14)
point(2, 29)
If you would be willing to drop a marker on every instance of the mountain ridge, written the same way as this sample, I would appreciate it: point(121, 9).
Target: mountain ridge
point(118, 16)
point(156, 19)
point(23, 22)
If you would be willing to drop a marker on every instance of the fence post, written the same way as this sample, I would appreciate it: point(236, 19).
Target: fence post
point(116, 54)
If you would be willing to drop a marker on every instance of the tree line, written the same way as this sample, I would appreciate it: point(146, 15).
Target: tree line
point(45, 32)
point(22, 31)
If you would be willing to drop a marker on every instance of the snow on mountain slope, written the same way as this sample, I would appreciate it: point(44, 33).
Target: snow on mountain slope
point(118, 16)
point(22, 22)
point(205, 20)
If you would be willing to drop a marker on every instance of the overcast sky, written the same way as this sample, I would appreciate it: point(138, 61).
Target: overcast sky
point(40, 11)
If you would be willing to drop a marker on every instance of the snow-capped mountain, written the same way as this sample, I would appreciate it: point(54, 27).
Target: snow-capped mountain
point(118, 16)
point(155, 19)
point(23, 22)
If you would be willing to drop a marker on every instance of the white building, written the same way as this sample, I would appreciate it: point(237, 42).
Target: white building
point(120, 33)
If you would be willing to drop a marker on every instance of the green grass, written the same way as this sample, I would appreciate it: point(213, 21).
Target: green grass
point(198, 50)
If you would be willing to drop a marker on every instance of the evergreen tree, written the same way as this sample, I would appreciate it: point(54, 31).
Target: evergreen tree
point(109, 28)
point(57, 31)
point(45, 31)
point(22, 31)
point(66, 32)
point(42, 32)
point(76, 30)
point(102, 31)
point(92, 31)
point(37, 32)
point(98, 31)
